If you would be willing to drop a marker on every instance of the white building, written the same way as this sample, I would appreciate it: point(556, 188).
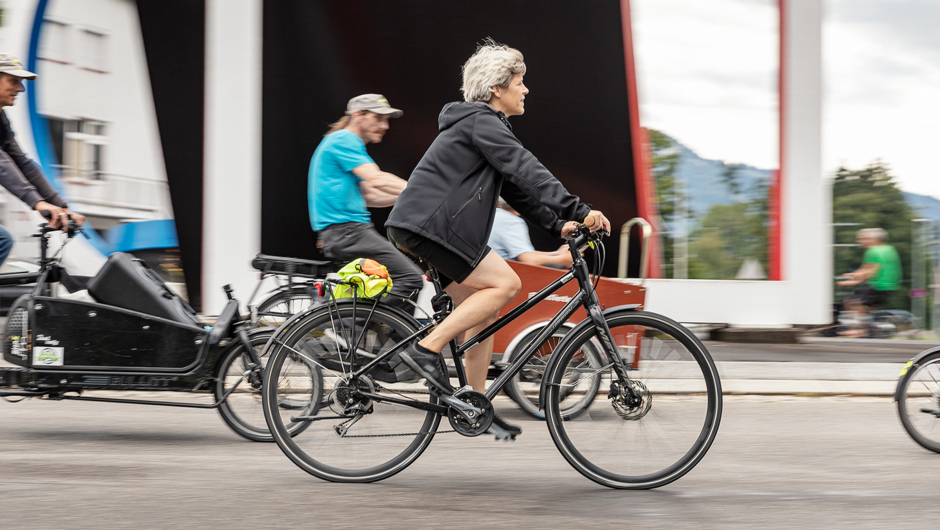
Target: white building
point(95, 93)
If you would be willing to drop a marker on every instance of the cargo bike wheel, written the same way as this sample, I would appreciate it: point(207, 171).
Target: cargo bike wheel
point(365, 430)
point(647, 431)
point(242, 409)
point(523, 388)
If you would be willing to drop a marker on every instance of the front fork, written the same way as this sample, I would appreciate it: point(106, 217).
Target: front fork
point(593, 307)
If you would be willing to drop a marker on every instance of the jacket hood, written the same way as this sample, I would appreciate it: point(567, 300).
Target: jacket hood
point(452, 113)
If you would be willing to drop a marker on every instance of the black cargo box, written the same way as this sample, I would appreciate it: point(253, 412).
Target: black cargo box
point(127, 282)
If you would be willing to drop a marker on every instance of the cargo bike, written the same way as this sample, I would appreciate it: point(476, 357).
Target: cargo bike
point(124, 331)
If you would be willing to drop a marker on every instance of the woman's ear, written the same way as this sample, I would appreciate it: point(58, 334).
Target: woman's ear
point(497, 91)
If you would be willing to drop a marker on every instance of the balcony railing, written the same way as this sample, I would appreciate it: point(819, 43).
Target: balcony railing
point(119, 191)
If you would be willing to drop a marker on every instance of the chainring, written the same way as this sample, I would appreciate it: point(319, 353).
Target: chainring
point(633, 412)
point(480, 424)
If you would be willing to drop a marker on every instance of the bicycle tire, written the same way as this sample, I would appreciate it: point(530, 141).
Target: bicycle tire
point(919, 401)
point(242, 410)
point(283, 304)
point(523, 388)
point(658, 441)
point(380, 443)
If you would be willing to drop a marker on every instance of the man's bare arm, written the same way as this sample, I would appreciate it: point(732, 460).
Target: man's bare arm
point(560, 257)
point(376, 198)
point(866, 271)
point(380, 180)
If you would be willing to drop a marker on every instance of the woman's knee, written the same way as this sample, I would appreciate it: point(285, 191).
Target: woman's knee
point(511, 286)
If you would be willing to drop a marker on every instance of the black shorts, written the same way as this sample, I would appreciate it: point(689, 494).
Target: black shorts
point(869, 296)
point(450, 265)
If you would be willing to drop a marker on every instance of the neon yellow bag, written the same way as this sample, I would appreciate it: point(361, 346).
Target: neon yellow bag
point(363, 277)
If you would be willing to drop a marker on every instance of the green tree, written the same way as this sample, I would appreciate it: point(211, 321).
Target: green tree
point(665, 162)
point(869, 198)
point(728, 235)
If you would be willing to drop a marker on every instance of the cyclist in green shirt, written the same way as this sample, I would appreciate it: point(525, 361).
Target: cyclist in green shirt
point(879, 275)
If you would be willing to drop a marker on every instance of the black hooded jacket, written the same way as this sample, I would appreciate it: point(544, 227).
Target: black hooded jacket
point(452, 194)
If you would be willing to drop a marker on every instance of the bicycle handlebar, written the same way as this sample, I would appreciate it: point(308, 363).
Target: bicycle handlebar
point(70, 229)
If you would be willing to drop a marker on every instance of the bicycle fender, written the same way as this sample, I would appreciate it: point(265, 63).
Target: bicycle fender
point(587, 322)
point(915, 361)
point(327, 306)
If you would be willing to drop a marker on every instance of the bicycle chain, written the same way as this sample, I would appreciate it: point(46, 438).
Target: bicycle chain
point(399, 434)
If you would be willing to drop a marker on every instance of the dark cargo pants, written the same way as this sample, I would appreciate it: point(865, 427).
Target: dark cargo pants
point(345, 242)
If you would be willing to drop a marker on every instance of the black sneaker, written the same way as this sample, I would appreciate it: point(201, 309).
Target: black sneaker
point(508, 427)
point(428, 365)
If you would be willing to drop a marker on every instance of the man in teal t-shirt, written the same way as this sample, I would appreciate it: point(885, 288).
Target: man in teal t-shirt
point(343, 181)
point(879, 275)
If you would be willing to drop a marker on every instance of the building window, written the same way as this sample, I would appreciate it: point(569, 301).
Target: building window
point(79, 145)
point(54, 45)
point(93, 50)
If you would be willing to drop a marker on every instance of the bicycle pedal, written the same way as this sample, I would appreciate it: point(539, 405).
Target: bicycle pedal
point(502, 435)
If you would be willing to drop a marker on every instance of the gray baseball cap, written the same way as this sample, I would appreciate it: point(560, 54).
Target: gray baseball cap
point(373, 103)
point(11, 65)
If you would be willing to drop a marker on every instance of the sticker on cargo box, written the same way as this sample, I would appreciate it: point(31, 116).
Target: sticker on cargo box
point(48, 356)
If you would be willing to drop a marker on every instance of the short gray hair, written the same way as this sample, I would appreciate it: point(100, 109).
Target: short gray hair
point(493, 64)
point(875, 233)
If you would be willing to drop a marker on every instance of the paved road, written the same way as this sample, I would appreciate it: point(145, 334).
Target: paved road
point(841, 351)
point(778, 462)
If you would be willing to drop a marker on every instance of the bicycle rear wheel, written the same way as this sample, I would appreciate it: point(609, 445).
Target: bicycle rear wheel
point(283, 304)
point(651, 442)
point(919, 402)
point(351, 438)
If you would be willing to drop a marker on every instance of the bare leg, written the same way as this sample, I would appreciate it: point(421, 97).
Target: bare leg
point(477, 360)
point(490, 286)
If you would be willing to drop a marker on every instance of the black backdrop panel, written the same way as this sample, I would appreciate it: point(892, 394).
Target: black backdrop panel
point(174, 41)
point(318, 54)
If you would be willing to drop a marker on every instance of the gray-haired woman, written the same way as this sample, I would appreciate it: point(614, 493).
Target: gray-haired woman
point(446, 213)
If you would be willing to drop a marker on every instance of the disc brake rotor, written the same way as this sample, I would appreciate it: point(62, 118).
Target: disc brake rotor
point(622, 404)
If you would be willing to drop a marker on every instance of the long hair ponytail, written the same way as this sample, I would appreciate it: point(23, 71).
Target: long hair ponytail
point(337, 125)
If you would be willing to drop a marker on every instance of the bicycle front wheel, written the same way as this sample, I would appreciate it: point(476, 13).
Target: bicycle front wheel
point(647, 442)
point(352, 437)
point(919, 402)
point(241, 382)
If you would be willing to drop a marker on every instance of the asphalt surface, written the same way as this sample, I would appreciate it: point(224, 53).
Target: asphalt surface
point(821, 350)
point(778, 462)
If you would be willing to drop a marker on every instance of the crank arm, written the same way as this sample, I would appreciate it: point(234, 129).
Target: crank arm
point(469, 412)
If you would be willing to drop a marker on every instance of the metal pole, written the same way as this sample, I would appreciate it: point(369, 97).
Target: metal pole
point(918, 277)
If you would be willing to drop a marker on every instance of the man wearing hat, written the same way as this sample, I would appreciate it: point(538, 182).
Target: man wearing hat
point(18, 174)
point(344, 181)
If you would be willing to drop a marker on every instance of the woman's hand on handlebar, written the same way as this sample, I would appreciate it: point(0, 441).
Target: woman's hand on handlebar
point(600, 221)
point(596, 220)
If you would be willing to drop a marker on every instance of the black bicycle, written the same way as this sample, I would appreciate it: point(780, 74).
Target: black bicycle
point(918, 398)
point(658, 413)
point(298, 285)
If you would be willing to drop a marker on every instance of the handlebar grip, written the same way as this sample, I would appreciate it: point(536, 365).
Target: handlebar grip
point(589, 221)
point(46, 213)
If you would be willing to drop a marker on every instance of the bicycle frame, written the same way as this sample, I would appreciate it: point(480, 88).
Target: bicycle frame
point(586, 297)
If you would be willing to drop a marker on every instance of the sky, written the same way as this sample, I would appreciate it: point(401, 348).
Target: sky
point(707, 75)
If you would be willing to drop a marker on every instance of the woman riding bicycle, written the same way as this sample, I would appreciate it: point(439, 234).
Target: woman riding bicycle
point(446, 213)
